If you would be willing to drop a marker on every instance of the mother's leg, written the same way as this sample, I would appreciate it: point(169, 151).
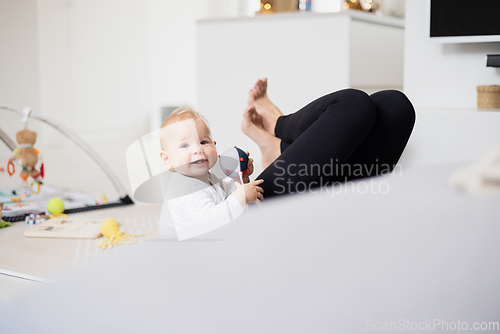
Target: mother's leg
point(324, 134)
point(381, 149)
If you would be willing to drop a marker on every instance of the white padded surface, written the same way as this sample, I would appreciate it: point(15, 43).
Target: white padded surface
point(303, 264)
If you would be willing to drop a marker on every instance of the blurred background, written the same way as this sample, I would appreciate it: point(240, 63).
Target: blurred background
point(105, 68)
point(111, 70)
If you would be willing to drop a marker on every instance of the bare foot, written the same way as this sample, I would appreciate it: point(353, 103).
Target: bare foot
point(269, 145)
point(266, 110)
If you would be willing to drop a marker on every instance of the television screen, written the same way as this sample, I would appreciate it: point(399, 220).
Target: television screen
point(464, 20)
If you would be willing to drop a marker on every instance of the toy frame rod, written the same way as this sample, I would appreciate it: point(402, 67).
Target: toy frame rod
point(73, 137)
point(10, 144)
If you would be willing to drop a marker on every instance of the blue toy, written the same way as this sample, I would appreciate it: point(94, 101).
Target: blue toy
point(233, 162)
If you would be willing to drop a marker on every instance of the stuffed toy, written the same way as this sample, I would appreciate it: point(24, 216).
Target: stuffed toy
point(28, 156)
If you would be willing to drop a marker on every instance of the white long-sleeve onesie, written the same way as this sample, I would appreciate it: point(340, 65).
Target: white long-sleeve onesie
point(192, 207)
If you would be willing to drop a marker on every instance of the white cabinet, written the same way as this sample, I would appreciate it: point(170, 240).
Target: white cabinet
point(304, 56)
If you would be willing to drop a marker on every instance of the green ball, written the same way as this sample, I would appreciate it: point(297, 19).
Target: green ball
point(55, 206)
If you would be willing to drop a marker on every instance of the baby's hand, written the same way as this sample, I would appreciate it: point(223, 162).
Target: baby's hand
point(249, 169)
point(249, 192)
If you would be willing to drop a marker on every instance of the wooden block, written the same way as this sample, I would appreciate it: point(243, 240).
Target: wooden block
point(66, 228)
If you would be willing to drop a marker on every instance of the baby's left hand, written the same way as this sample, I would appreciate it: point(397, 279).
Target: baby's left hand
point(249, 170)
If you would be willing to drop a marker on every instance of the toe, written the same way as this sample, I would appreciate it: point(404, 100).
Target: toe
point(262, 87)
point(254, 118)
point(246, 115)
point(258, 90)
point(247, 110)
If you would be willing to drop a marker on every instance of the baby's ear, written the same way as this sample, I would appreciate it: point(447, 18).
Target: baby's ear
point(164, 158)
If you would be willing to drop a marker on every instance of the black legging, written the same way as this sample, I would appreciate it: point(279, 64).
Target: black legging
point(339, 137)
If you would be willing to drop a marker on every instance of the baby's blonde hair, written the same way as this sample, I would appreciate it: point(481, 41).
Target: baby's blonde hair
point(182, 113)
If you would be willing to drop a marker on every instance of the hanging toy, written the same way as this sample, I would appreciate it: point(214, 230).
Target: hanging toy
point(233, 162)
point(28, 157)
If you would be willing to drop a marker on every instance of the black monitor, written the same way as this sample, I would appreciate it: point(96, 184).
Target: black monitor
point(464, 21)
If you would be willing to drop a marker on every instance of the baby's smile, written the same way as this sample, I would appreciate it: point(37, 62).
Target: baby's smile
point(199, 162)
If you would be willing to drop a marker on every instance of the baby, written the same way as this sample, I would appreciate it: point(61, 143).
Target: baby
point(197, 201)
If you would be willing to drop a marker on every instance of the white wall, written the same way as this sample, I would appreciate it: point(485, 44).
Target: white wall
point(103, 68)
point(441, 80)
point(54, 62)
point(443, 75)
point(19, 66)
point(93, 61)
point(19, 69)
point(172, 49)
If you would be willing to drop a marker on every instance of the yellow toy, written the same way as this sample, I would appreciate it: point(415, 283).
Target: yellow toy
point(110, 229)
point(55, 206)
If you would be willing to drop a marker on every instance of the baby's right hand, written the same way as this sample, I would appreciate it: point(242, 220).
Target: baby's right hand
point(250, 192)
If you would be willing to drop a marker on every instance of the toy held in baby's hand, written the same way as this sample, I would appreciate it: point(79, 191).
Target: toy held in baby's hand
point(28, 156)
point(233, 162)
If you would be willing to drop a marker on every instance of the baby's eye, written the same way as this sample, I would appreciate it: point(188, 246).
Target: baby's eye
point(184, 145)
point(204, 142)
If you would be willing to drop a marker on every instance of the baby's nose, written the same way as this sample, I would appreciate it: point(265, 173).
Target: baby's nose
point(198, 149)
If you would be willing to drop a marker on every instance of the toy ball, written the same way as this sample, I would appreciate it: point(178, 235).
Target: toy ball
point(233, 161)
point(109, 227)
point(55, 206)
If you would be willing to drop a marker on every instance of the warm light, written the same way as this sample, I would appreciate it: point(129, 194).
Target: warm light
point(267, 6)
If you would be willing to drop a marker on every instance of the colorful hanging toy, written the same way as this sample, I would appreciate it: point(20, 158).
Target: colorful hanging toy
point(28, 157)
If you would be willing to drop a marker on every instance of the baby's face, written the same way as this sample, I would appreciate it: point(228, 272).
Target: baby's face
point(189, 150)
